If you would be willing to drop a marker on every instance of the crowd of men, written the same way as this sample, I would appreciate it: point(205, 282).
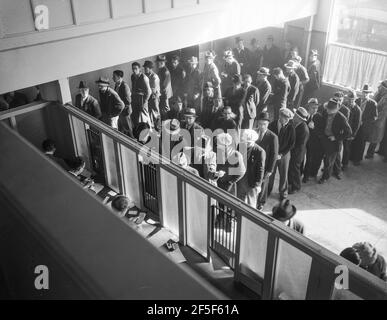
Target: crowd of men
point(261, 105)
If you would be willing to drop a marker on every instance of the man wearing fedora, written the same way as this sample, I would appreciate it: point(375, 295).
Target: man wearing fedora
point(86, 102)
point(264, 87)
point(369, 110)
point(249, 187)
point(111, 103)
point(354, 122)
point(242, 55)
point(230, 68)
point(268, 141)
point(125, 124)
point(178, 75)
point(234, 97)
point(297, 154)
point(285, 213)
point(294, 81)
point(250, 103)
point(192, 89)
point(302, 73)
point(209, 106)
point(154, 99)
point(285, 131)
point(211, 74)
point(333, 130)
point(314, 72)
point(271, 56)
point(165, 86)
point(281, 89)
point(194, 130)
point(141, 92)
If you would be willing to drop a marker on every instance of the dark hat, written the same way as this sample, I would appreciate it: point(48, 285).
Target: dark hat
point(302, 113)
point(175, 57)
point(190, 112)
point(264, 71)
point(193, 60)
point(238, 39)
point(210, 54)
point(236, 78)
point(136, 64)
point(367, 88)
point(264, 116)
point(148, 64)
point(284, 211)
point(119, 73)
point(103, 81)
point(313, 101)
point(228, 54)
point(208, 85)
point(351, 94)
point(314, 52)
point(82, 85)
point(161, 58)
point(332, 104)
point(291, 65)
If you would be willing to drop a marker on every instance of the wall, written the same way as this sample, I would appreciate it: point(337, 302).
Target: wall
point(64, 52)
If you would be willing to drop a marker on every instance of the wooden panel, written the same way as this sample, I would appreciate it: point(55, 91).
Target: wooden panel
point(91, 10)
point(59, 12)
point(122, 8)
point(157, 5)
point(184, 3)
point(16, 17)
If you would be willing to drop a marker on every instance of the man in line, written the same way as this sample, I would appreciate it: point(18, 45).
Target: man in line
point(255, 56)
point(234, 98)
point(154, 100)
point(297, 154)
point(86, 102)
point(125, 124)
point(165, 86)
point(333, 131)
point(230, 68)
point(271, 56)
point(242, 55)
point(285, 213)
point(281, 89)
point(178, 75)
point(141, 93)
point(264, 88)
point(268, 141)
point(284, 129)
point(294, 81)
point(49, 150)
point(211, 74)
point(251, 102)
point(194, 129)
point(304, 79)
point(192, 89)
point(314, 72)
point(111, 103)
point(249, 187)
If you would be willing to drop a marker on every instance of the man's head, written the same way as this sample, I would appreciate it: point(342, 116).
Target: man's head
point(332, 106)
point(312, 106)
point(366, 92)
point(269, 41)
point(118, 75)
point(136, 68)
point(313, 56)
point(339, 97)
point(48, 146)
point(263, 121)
point(175, 60)
point(254, 44)
point(278, 73)
point(227, 111)
point(77, 166)
point(228, 56)
point(193, 62)
point(148, 66)
point(103, 84)
point(294, 52)
point(284, 211)
point(262, 74)
point(291, 66)
point(236, 81)
point(210, 57)
point(249, 137)
point(190, 116)
point(83, 90)
point(351, 97)
point(121, 204)
point(285, 115)
point(351, 255)
point(367, 253)
point(239, 43)
point(208, 89)
point(161, 61)
point(247, 80)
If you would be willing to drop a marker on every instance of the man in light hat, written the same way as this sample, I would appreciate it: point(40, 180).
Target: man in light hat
point(281, 89)
point(314, 72)
point(111, 103)
point(285, 213)
point(335, 129)
point(154, 99)
point(297, 154)
point(250, 103)
point(192, 91)
point(285, 131)
point(264, 87)
point(211, 74)
point(195, 130)
point(86, 102)
point(268, 141)
point(294, 80)
point(249, 187)
point(314, 148)
point(230, 68)
point(369, 110)
point(242, 54)
point(302, 73)
point(166, 92)
point(125, 124)
point(178, 75)
point(354, 122)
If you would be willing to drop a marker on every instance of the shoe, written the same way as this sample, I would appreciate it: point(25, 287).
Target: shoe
point(322, 181)
point(260, 207)
point(338, 176)
point(305, 179)
point(368, 156)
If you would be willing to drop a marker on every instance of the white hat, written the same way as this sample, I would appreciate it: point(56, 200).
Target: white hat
point(249, 135)
point(224, 139)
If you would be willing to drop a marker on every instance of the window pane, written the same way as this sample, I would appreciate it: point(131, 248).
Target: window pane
point(110, 163)
point(197, 219)
point(81, 141)
point(253, 250)
point(130, 175)
point(292, 272)
point(170, 203)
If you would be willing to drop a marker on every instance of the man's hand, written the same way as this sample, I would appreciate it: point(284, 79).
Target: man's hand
point(311, 125)
point(332, 138)
point(279, 157)
point(221, 173)
point(196, 96)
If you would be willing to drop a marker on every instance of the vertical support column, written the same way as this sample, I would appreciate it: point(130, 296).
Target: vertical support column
point(271, 259)
point(159, 194)
point(308, 39)
point(64, 91)
point(74, 12)
point(117, 153)
point(182, 211)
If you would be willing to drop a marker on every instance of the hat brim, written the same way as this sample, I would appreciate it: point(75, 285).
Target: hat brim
point(190, 115)
point(102, 83)
point(287, 217)
point(367, 91)
point(289, 67)
point(263, 74)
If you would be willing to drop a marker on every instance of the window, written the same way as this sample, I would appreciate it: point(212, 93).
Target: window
point(357, 50)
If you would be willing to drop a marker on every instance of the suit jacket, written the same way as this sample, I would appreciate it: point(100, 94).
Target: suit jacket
point(154, 83)
point(234, 169)
point(340, 128)
point(140, 87)
point(229, 69)
point(192, 83)
point(111, 103)
point(243, 57)
point(354, 119)
point(211, 74)
point(294, 81)
point(269, 143)
point(302, 137)
point(264, 88)
point(234, 99)
point(255, 164)
point(281, 91)
point(314, 72)
point(177, 81)
point(123, 91)
point(195, 128)
point(165, 83)
point(286, 138)
point(90, 106)
point(251, 102)
point(370, 113)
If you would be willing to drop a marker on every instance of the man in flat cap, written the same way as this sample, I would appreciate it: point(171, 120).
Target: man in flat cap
point(154, 100)
point(165, 86)
point(111, 103)
point(86, 102)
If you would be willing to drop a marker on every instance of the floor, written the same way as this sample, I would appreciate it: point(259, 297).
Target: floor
point(340, 213)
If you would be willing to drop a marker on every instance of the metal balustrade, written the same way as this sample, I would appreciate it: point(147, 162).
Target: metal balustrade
point(258, 248)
